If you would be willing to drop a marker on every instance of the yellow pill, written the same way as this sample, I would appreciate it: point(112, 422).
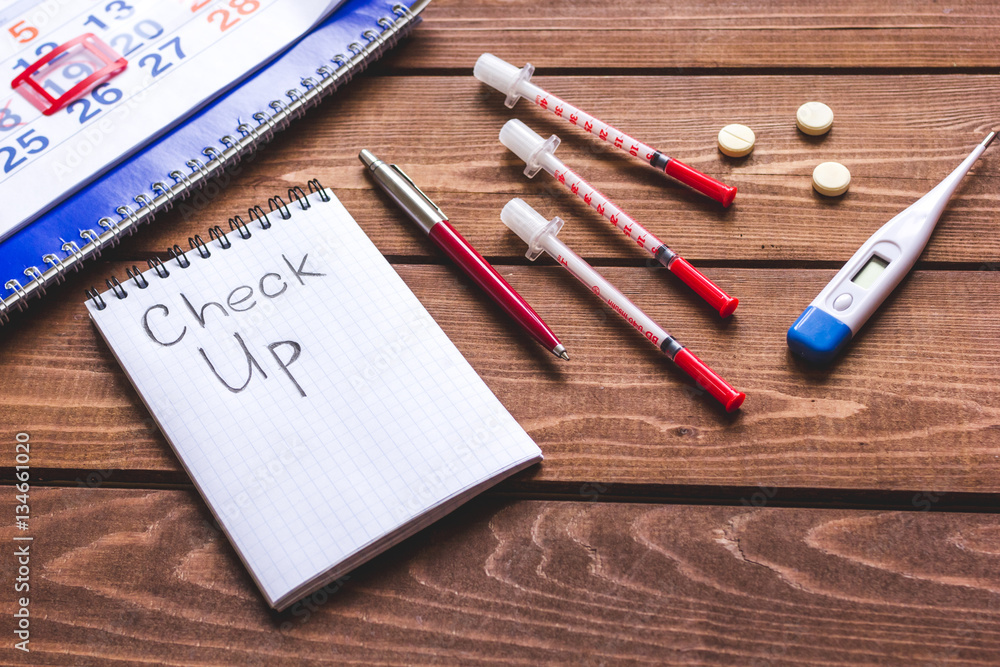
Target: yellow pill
point(814, 118)
point(736, 140)
point(831, 179)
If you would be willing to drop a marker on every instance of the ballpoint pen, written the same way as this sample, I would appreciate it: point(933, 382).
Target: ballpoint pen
point(429, 217)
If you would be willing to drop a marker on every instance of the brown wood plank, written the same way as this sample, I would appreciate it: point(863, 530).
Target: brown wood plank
point(712, 34)
point(915, 404)
point(911, 414)
point(142, 576)
point(925, 125)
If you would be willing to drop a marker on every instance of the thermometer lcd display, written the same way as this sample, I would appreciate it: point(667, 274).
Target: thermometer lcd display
point(872, 269)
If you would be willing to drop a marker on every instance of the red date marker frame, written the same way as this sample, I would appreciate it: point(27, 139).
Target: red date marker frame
point(86, 51)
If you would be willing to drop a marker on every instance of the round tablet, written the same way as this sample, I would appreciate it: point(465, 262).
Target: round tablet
point(831, 179)
point(736, 140)
point(814, 118)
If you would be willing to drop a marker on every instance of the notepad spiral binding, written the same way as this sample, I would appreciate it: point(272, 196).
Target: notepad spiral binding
point(234, 149)
point(276, 204)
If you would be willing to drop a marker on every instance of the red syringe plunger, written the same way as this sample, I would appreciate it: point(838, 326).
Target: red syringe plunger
point(703, 183)
point(709, 379)
point(515, 83)
point(705, 288)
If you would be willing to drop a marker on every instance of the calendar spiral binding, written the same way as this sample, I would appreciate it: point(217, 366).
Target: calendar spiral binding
point(282, 113)
point(218, 238)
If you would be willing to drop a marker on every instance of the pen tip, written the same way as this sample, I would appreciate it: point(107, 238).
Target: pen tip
point(564, 355)
point(367, 157)
point(560, 352)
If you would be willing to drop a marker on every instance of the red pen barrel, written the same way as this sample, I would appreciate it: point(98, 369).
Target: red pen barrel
point(705, 288)
point(703, 183)
point(482, 272)
point(709, 379)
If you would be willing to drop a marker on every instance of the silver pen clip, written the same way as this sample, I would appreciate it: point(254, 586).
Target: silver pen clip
point(414, 186)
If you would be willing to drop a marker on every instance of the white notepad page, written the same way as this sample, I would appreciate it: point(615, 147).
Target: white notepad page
point(372, 427)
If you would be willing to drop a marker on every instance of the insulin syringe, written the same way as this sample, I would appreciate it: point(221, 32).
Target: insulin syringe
point(539, 153)
point(516, 83)
point(541, 236)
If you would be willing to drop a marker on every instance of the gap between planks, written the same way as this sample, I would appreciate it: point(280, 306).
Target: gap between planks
point(626, 262)
point(904, 500)
point(387, 69)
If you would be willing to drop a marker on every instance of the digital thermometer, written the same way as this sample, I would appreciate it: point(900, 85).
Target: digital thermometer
point(847, 301)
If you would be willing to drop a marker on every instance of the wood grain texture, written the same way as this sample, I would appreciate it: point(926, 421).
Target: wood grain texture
point(898, 135)
point(915, 404)
point(712, 34)
point(124, 577)
point(141, 576)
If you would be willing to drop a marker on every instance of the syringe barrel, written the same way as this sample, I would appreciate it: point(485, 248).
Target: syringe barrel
point(540, 235)
point(577, 116)
point(516, 83)
point(692, 277)
point(703, 183)
point(529, 90)
point(593, 197)
point(711, 381)
point(550, 163)
point(604, 290)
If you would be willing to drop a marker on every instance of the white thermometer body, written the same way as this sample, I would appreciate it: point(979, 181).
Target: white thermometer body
point(859, 288)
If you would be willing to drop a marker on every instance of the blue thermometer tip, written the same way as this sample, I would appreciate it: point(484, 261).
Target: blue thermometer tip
point(818, 336)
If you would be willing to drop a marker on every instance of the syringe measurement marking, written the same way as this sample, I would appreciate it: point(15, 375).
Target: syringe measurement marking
point(604, 130)
point(632, 229)
point(587, 275)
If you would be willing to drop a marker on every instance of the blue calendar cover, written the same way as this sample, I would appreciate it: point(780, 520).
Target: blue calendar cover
point(130, 182)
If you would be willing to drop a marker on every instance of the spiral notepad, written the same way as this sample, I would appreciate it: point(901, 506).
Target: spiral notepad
point(317, 406)
point(46, 252)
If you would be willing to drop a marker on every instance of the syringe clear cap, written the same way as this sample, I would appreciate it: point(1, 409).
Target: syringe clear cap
point(503, 76)
point(530, 225)
point(527, 144)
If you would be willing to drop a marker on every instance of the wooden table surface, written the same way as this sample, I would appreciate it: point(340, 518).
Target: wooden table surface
point(843, 516)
